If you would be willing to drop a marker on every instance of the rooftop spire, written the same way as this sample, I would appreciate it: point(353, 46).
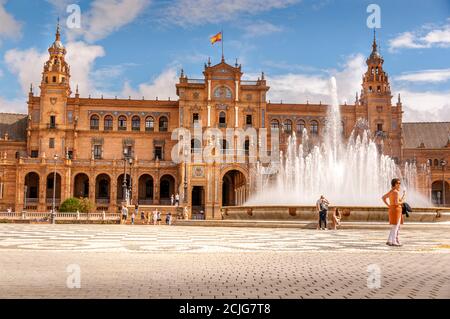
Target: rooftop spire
point(58, 35)
point(374, 44)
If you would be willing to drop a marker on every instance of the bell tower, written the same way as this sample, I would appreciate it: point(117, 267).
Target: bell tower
point(384, 119)
point(55, 91)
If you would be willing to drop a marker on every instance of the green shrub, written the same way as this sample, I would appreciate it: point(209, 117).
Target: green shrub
point(70, 205)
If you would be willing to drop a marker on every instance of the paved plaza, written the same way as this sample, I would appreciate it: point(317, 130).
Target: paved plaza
point(117, 261)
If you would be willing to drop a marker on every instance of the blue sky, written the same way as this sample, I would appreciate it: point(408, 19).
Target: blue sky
point(137, 47)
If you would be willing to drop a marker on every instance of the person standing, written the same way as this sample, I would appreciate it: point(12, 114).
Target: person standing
point(124, 214)
point(158, 215)
point(177, 199)
point(186, 213)
point(172, 200)
point(155, 216)
point(322, 207)
point(169, 219)
point(133, 216)
point(395, 211)
point(136, 209)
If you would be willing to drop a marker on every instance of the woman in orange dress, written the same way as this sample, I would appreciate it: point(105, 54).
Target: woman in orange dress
point(395, 211)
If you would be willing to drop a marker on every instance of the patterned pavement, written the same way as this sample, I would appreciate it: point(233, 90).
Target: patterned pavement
point(217, 262)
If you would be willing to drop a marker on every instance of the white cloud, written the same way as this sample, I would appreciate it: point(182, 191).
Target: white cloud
point(441, 75)
point(439, 36)
point(261, 28)
point(298, 87)
point(107, 16)
point(163, 87)
point(188, 12)
point(428, 106)
point(81, 57)
point(13, 106)
point(9, 26)
point(28, 64)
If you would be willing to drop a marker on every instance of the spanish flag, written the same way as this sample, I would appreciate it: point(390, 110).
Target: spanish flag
point(216, 38)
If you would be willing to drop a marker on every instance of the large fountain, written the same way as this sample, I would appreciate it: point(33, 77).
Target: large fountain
point(346, 172)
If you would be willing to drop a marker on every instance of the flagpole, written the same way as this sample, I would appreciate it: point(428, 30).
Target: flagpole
point(222, 46)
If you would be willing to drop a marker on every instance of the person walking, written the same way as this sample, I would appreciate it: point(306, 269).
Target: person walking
point(395, 211)
point(322, 207)
point(124, 214)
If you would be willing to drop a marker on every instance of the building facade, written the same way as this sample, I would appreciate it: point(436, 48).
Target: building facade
point(111, 150)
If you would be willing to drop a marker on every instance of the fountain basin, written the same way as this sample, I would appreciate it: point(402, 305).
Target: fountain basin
point(348, 213)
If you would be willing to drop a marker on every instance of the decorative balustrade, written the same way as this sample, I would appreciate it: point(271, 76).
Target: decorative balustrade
point(58, 216)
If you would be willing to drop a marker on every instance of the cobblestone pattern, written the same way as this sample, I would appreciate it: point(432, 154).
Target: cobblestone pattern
point(121, 262)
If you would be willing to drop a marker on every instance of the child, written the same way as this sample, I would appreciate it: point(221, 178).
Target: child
point(336, 219)
point(169, 219)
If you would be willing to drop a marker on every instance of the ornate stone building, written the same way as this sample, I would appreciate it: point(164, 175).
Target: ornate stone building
point(102, 148)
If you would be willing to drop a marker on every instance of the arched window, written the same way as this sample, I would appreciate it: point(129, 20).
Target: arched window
point(149, 124)
point(275, 124)
point(108, 123)
point(122, 123)
point(247, 146)
point(163, 124)
point(136, 123)
point(300, 126)
point(95, 122)
point(314, 128)
point(196, 145)
point(288, 126)
point(222, 119)
point(430, 162)
point(436, 162)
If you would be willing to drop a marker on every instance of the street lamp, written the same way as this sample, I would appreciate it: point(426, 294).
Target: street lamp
point(130, 161)
point(443, 164)
point(55, 157)
point(124, 184)
point(186, 154)
point(25, 188)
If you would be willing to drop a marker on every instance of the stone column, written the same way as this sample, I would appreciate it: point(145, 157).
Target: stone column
point(42, 206)
point(113, 195)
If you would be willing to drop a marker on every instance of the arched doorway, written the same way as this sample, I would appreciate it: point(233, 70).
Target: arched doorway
point(81, 186)
point(198, 202)
point(438, 196)
point(52, 188)
point(145, 190)
point(120, 189)
point(31, 189)
point(166, 189)
point(234, 188)
point(102, 189)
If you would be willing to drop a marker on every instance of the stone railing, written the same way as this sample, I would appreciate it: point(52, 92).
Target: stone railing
point(59, 216)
